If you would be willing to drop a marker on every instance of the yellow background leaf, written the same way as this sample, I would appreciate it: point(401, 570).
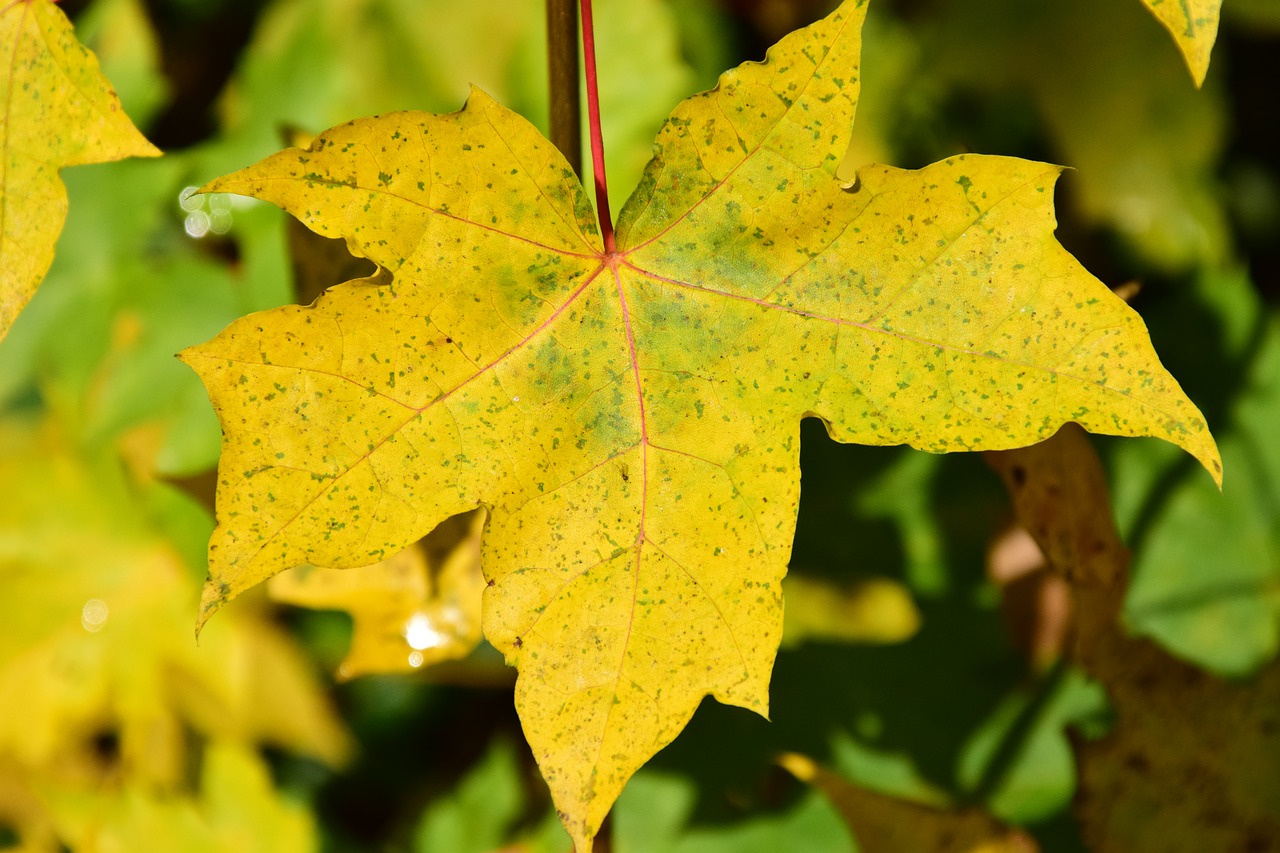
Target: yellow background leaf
point(97, 648)
point(631, 417)
point(55, 110)
point(877, 610)
point(1096, 71)
point(238, 810)
point(1193, 25)
point(420, 607)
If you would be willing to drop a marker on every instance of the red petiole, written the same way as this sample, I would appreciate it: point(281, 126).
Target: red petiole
point(593, 122)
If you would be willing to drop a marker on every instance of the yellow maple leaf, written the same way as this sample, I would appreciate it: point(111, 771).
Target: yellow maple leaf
point(630, 414)
point(55, 110)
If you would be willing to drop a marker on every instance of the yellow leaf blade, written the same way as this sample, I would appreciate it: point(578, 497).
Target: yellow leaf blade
point(1194, 27)
point(403, 187)
point(56, 110)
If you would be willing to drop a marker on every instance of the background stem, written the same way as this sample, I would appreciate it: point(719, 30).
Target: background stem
point(562, 60)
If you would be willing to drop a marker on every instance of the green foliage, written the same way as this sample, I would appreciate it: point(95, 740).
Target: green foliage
point(107, 444)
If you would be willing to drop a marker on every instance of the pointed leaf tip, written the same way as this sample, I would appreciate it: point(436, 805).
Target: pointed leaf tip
point(1193, 24)
point(212, 597)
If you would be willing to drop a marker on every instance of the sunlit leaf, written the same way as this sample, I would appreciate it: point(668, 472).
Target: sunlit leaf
point(57, 111)
point(631, 417)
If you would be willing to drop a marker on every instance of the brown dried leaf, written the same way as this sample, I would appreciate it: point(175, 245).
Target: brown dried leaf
point(1193, 762)
point(884, 824)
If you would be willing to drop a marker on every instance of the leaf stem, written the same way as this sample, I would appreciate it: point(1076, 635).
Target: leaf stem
point(593, 120)
point(563, 81)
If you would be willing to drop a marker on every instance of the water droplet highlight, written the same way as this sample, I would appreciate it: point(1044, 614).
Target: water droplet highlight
point(421, 633)
point(220, 221)
point(93, 615)
point(188, 200)
point(197, 224)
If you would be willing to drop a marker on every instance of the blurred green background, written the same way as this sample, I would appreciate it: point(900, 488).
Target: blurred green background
point(109, 443)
